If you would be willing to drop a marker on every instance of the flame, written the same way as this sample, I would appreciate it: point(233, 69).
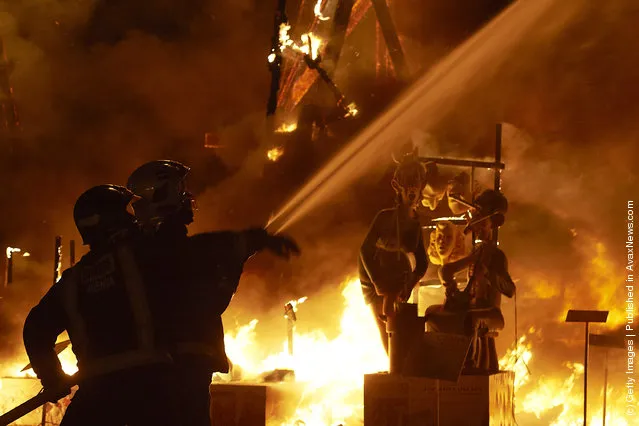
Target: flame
point(311, 46)
point(552, 392)
point(311, 43)
point(517, 360)
point(271, 58)
point(331, 370)
point(603, 280)
point(274, 154)
point(559, 395)
point(317, 10)
point(352, 110)
point(286, 128)
point(67, 359)
point(295, 303)
point(285, 39)
point(11, 250)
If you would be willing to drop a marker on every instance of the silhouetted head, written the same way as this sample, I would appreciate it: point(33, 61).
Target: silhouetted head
point(103, 213)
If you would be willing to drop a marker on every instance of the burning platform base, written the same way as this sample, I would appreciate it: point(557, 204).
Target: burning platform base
point(245, 404)
point(411, 401)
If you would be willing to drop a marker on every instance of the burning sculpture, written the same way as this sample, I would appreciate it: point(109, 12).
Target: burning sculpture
point(476, 311)
point(439, 186)
point(392, 258)
point(447, 243)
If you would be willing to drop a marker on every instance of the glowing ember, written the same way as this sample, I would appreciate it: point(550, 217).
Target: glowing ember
point(285, 39)
point(286, 128)
point(271, 58)
point(310, 43)
point(352, 110)
point(296, 303)
point(274, 154)
point(317, 10)
point(311, 46)
point(11, 250)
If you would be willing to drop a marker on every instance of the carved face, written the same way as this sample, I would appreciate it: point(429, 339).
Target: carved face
point(444, 239)
point(409, 181)
point(431, 196)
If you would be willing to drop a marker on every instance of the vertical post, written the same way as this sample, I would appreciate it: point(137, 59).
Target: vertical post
point(9, 268)
point(415, 295)
point(341, 20)
point(275, 58)
point(438, 403)
point(57, 258)
point(472, 197)
point(605, 387)
point(289, 314)
point(71, 252)
point(586, 373)
point(290, 328)
point(497, 171)
point(392, 40)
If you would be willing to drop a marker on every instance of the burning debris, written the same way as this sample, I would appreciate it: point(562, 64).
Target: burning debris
point(286, 128)
point(310, 46)
point(317, 10)
point(547, 378)
point(274, 154)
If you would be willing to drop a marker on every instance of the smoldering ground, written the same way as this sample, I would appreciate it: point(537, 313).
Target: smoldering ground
point(90, 113)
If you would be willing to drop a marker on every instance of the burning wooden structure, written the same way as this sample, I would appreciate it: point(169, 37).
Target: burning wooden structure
point(302, 74)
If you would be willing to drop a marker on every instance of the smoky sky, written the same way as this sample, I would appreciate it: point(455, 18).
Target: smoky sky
point(103, 86)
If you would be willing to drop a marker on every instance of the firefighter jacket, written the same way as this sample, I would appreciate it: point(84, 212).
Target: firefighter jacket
point(102, 302)
point(205, 270)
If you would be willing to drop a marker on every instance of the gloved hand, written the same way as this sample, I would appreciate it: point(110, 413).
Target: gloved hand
point(282, 246)
point(56, 386)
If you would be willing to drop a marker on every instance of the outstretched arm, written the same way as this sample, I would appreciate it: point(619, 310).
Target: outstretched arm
point(254, 240)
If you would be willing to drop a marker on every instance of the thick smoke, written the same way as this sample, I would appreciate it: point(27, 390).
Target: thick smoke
point(99, 95)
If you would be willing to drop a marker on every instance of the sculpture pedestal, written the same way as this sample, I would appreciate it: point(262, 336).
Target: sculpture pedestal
point(411, 401)
point(243, 404)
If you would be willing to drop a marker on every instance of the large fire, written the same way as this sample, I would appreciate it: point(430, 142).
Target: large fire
point(331, 370)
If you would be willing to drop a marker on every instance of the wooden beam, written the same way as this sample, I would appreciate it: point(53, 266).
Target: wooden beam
point(338, 35)
point(392, 40)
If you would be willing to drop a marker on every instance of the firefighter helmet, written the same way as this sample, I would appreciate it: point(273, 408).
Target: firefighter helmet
point(102, 211)
point(161, 186)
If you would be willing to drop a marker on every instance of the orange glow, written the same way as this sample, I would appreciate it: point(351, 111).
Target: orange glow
point(286, 128)
point(317, 10)
point(274, 154)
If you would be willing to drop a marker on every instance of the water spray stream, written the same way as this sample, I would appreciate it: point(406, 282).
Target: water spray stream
point(423, 105)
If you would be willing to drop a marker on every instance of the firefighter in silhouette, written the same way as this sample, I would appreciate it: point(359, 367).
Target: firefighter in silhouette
point(108, 310)
point(392, 257)
point(476, 311)
point(205, 270)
